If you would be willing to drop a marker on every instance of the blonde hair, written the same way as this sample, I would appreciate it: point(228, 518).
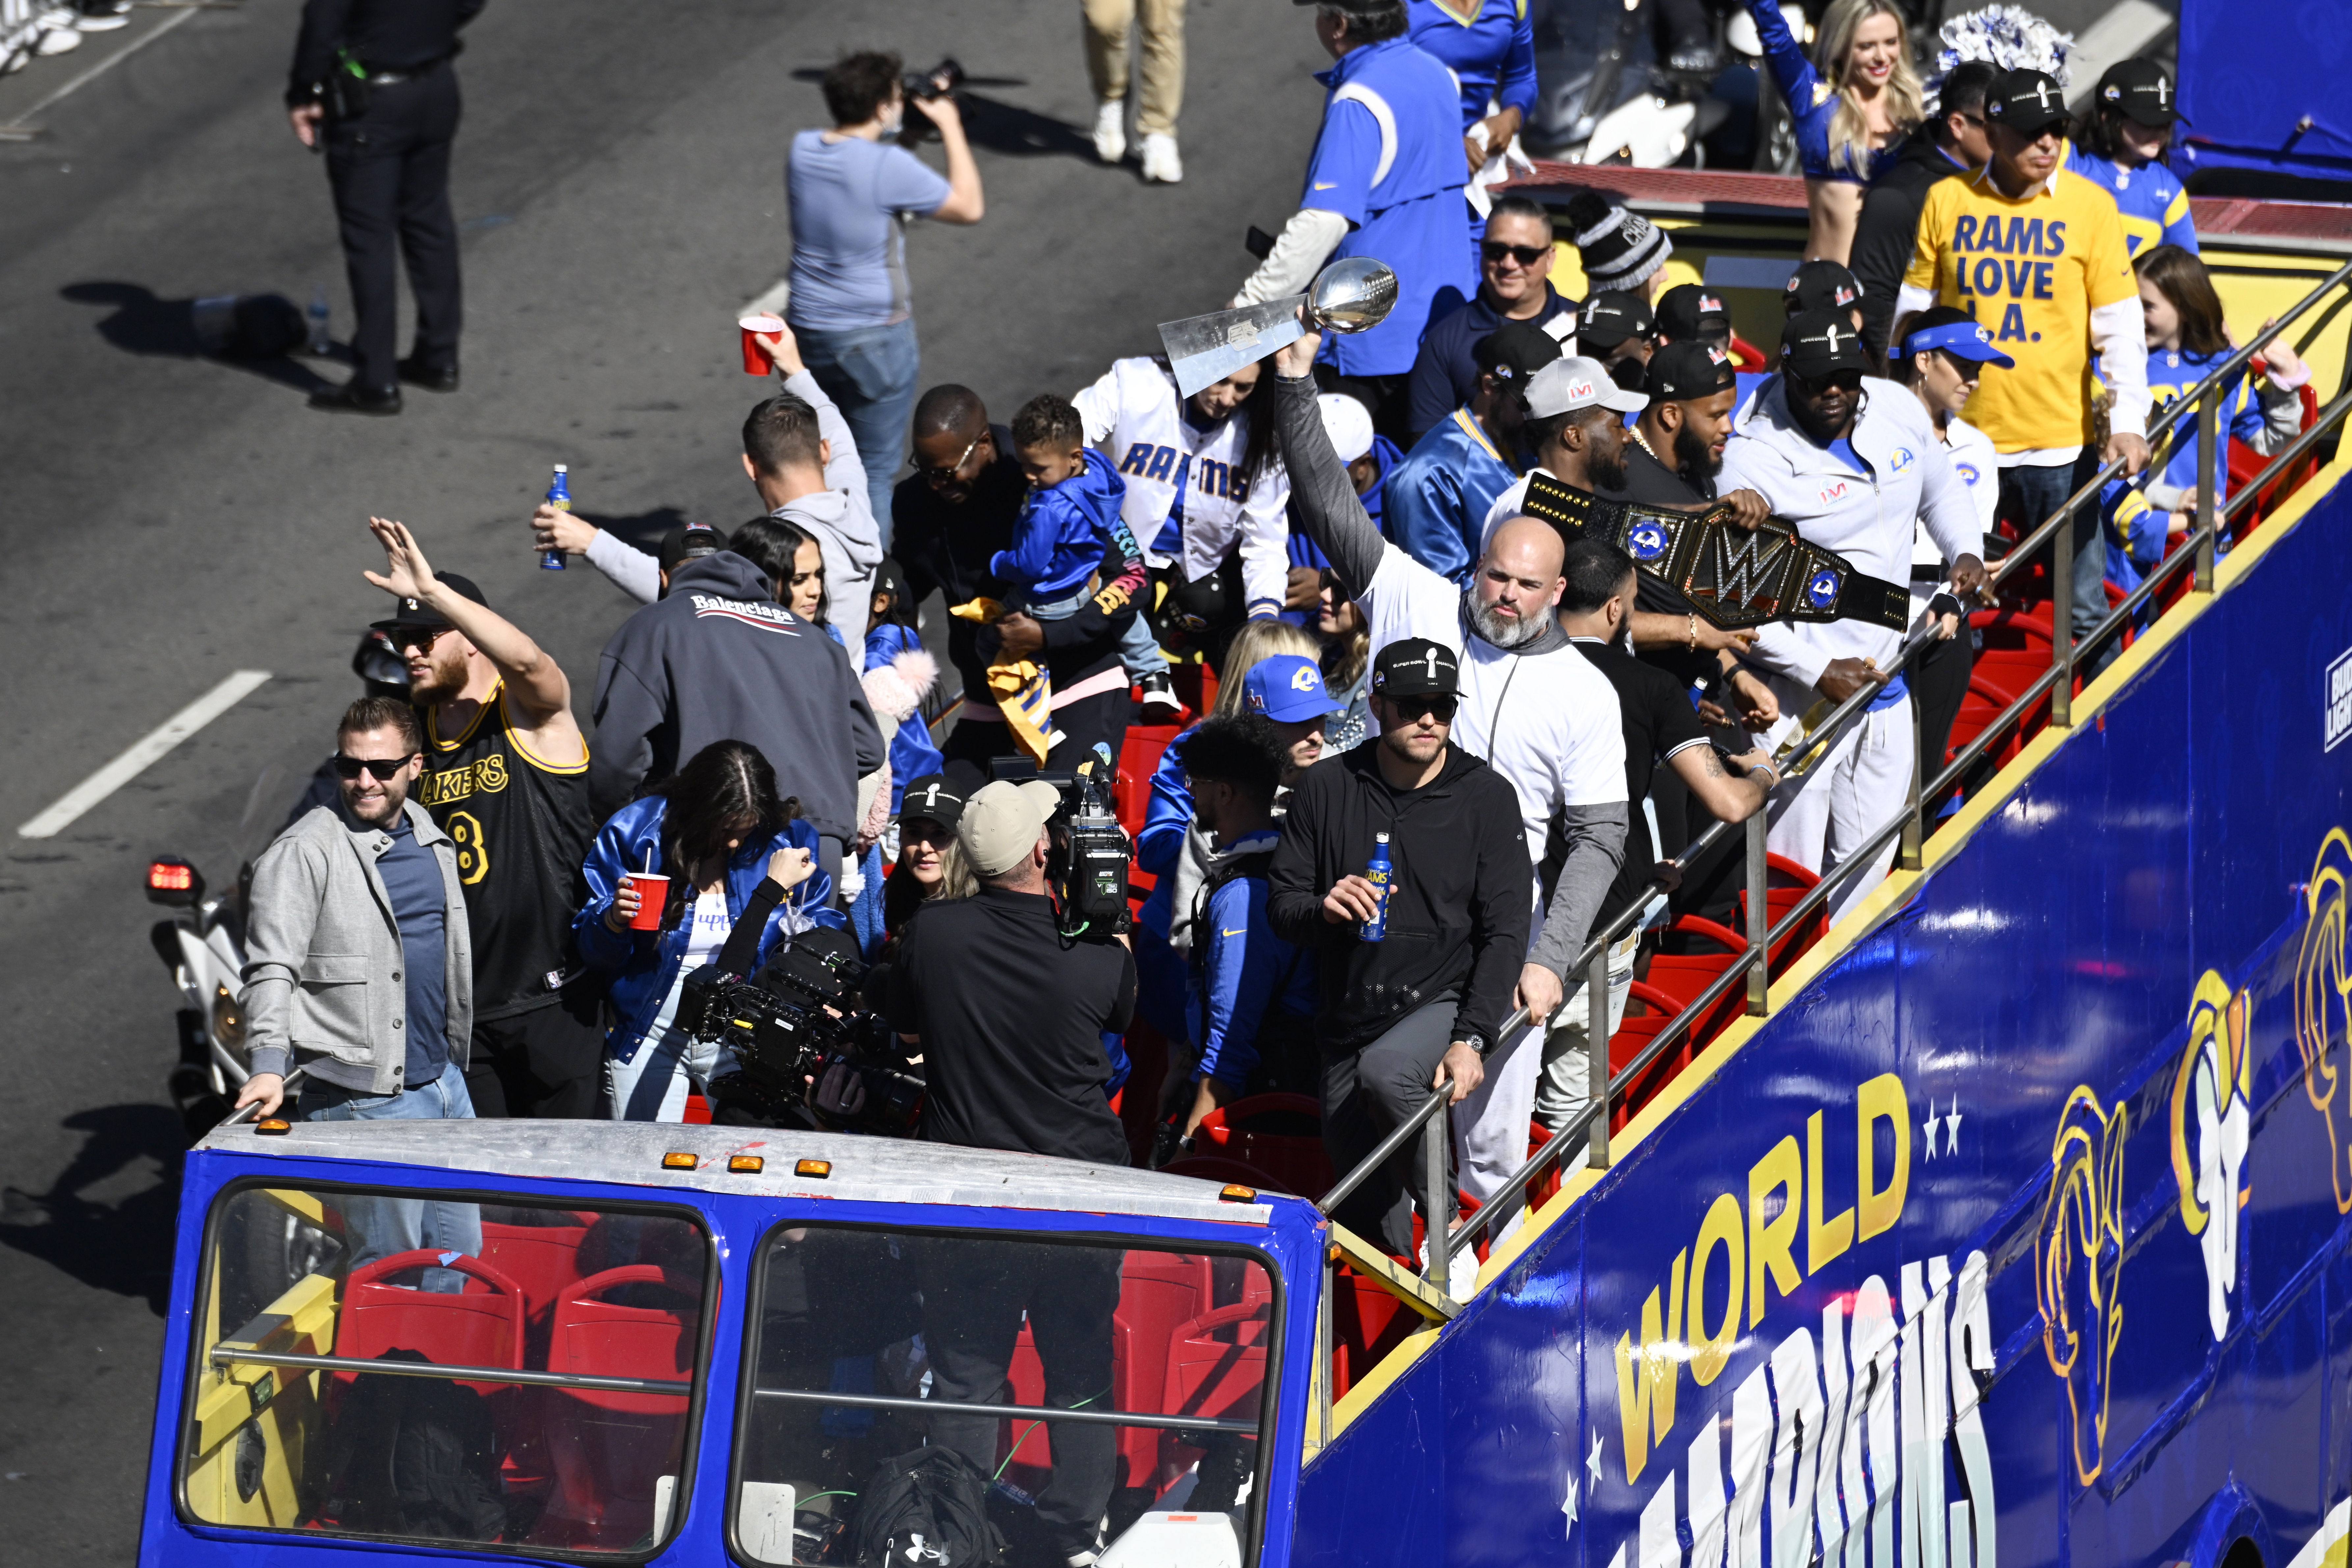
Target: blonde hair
point(1907, 100)
point(1256, 642)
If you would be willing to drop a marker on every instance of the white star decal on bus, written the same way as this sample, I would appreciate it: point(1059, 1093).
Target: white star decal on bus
point(1567, 1507)
point(1593, 1460)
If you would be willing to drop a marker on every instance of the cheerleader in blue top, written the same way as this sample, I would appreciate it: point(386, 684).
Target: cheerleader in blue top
point(2186, 342)
point(1851, 115)
point(1490, 48)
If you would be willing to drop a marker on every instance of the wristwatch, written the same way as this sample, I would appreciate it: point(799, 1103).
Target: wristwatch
point(1476, 1042)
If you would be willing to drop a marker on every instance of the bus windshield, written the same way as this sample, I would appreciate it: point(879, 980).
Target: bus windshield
point(409, 1366)
point(1044, 1392)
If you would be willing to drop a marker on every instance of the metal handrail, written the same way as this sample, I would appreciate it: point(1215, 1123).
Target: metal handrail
point(1387, 1147)
point(2183, 558)
point(1025, 1412)
point(228, 1355)
point(2196, 554)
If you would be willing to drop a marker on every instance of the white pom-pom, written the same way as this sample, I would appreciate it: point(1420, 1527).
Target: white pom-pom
point(2008, 36)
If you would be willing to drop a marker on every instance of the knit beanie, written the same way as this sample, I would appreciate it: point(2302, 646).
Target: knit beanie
point(1620, 250)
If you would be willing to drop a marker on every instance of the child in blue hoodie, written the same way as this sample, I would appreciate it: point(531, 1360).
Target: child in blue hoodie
point(1067, 524)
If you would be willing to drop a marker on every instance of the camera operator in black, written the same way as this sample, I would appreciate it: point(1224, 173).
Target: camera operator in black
point(1427, 1001)
point(377, 74)
point(1011, 1015)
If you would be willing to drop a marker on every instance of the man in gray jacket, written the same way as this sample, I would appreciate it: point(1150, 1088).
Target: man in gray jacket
point(804, 461)
point(359, 970)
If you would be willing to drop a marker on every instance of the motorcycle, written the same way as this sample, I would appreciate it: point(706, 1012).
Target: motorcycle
point(203, 944)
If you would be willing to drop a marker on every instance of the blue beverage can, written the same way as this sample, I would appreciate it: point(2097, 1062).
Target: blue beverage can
point(1377, 874)
point(559, 496)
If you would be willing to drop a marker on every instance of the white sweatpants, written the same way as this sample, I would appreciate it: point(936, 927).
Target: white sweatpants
point(1490, 1127)
point(1824, 816)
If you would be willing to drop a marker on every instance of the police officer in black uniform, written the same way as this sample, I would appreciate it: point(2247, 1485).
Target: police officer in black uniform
point(372, 84)
point(506, 776)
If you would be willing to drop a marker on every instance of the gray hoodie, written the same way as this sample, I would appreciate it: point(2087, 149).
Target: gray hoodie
point(720, 660)
point(841, 517)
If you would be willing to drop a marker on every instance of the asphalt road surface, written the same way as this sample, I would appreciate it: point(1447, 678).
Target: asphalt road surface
point(171, 519)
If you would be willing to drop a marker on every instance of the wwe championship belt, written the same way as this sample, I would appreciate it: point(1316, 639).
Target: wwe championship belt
point(1735, 578)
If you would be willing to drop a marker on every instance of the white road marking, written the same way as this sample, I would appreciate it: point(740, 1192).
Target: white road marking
point(102, 66)
point(2126, 30)
point(772, 302)
point(144, 752)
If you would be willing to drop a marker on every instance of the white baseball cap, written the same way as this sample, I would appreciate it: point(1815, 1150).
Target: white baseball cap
point(1578, 383)
point(1001, 821)
point(1348, 423)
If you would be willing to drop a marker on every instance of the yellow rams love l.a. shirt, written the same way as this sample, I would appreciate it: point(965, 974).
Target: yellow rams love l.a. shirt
point(2031, 269)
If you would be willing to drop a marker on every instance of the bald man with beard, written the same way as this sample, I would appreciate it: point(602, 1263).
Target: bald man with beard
point(1529, 703)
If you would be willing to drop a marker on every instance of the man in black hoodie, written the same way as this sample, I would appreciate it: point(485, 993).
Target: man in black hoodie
point(1952, 143)
point(719, 660)
point(1426, 1001)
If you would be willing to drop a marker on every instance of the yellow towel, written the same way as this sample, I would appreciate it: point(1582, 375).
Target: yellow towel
point(1023, 692)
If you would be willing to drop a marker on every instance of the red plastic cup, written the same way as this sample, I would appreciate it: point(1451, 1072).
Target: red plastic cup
point(755, 358)
point(652, 891)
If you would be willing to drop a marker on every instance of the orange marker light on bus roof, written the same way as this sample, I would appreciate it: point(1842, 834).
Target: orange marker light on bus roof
point(817, 1169)
point(745, 1164)
point(679, 1161)
point(1235, 1193)
point(273, 1127)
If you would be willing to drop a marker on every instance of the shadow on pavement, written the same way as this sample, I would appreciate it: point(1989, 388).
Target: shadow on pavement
point(644, 529)
point(123, 1246)
point(144, 323)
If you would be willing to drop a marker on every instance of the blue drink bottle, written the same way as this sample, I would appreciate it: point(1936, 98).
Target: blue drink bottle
point(559, 496)
point(1377, 874)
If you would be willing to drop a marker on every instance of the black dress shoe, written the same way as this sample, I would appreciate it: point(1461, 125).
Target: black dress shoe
point(442, 378)
point(352, 399)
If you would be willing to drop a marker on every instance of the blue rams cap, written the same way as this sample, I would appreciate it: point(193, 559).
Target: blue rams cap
point(1961, 340)
point(1286, 687)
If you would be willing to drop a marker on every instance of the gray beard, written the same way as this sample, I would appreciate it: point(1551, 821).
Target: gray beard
point(1503, 632)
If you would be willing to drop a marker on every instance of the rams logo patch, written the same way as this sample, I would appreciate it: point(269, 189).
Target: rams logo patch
point(1821, 588)
point(1646, 542)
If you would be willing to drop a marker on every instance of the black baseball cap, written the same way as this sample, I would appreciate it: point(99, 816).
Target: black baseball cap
point(2143, 92)
point(2027, 101)
point(689, 541)
point(1513, 351)
point(940, 796)
point(1415, 667)
point(417, 615)
point(1687, 310)
point(1820, 286)
point(1821, 342)
point(1612, 316)
point(1686, 371)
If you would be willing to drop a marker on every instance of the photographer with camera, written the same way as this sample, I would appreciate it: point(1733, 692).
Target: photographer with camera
point(668, 878)
point(851, 190)
point(1011, 1015)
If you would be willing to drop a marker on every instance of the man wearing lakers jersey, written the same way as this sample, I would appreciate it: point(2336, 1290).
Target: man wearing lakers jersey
point(506, 776)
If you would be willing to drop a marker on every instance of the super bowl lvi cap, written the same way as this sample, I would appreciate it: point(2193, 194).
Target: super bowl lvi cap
point(1415, 667)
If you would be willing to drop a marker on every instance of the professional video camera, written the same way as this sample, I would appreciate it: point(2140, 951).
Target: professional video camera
point(804, 1039)
point(1091, 854)
point(942, 79)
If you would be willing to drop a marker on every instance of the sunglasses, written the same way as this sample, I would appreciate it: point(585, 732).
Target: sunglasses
point(924, 830)
point(1494, 250)
point(420, 637)
point(379, 768)
point(1834, 381)
point(941, 476)
point(1413, 708)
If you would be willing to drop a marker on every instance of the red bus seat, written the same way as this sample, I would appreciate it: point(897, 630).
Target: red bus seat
point(482, 1326)
point(609, 1449)
point(1280, 1134)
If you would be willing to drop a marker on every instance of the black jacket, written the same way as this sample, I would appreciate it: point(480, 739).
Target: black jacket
point(1458, 905)
point(720, 659)
point(1888, 228)
point(382, 35)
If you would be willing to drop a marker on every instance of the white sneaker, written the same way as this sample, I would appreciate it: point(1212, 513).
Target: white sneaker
point(102, 16)
point(1159, 160)
point(1111, 131)
point(1462, 1272)
point(60, 40)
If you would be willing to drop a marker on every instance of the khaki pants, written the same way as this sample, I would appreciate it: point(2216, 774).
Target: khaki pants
point(1164, 57)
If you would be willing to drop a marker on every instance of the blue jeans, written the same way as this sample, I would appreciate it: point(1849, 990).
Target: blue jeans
point(1139, 650)
point(378, 1227)
point(869, 372)
point(2028, 496)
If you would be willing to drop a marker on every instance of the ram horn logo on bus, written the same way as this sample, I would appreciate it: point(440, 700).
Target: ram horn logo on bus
point(2323, 1005)
point(2211, 1122)
point(1853, 1422)
point(2079, 1261)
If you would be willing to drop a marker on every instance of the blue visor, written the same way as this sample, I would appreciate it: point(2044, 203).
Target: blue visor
point(1964, 339)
